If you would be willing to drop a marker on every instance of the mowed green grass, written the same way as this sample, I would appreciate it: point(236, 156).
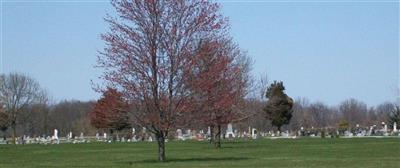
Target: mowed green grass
point(305, 152)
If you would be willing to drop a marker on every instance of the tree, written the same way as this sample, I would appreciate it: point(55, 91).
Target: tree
point(17, 92)
point(33, 118)
point(110, 112)
point(353, 111)
point(384, 110)
point(279, 106)
point(148, 50)
point(320, 114)
point(65, 116)
point(4, 121)
point(219, 82)
point(301, 114)
point(394, 116)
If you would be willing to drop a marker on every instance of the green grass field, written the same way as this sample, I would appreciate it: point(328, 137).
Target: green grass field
point(315, 152)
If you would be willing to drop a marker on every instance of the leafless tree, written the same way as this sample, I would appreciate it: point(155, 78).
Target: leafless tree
point(383, 110)
point(320, 115)
point(18, 91)
point(353, 111)
point(70, 116)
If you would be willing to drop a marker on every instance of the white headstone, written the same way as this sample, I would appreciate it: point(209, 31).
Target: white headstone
point(229, 131)
point(254, 133)
point(179, 134)
point(55, 134)
point(134, 138)
point(286, 133)
point(394, 127)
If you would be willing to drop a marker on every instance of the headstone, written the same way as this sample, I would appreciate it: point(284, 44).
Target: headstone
point(285, 134)
point(254, 133)
point(188, 132)
point(229, 131)
point(394, 127)
point(348, 134)
point(361, 133)
point(385, 128)
point(134, 139)
point(193, 133)
point(97, 136)
point(55, 136)
point(144, 136)
point(179, 134)
point(105, 136)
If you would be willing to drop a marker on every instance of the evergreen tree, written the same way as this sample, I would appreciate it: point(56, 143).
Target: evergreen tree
point(279, 106)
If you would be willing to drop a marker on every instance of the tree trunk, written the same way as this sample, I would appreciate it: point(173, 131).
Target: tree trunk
point(212, 139)
point(217, 143)
point(279, 130)
point(111, 135)
point(14, 134)
point(45, 124)
point(4, 136)
point(117, 138)
point(161, 147)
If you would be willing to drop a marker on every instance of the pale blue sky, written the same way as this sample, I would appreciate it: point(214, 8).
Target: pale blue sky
point(325, 51)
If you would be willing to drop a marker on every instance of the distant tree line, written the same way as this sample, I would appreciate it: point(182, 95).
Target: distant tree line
point(111, 113)
point(319, 115)
point(41, 118)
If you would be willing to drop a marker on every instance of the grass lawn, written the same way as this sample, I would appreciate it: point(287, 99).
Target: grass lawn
point(306, 152)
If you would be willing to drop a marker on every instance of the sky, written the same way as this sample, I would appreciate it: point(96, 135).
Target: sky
point(325, 51)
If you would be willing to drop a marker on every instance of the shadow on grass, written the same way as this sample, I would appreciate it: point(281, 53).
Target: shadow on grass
point(203, 159)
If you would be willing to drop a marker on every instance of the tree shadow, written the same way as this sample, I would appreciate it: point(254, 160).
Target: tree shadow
point(202, 159)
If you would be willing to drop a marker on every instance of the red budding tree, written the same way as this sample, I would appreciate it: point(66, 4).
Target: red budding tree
point(219, 83)
point(110, 112)
point(149, 48)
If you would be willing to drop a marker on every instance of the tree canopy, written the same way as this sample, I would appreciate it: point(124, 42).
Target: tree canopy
point(279, 106)
point(110, 112)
